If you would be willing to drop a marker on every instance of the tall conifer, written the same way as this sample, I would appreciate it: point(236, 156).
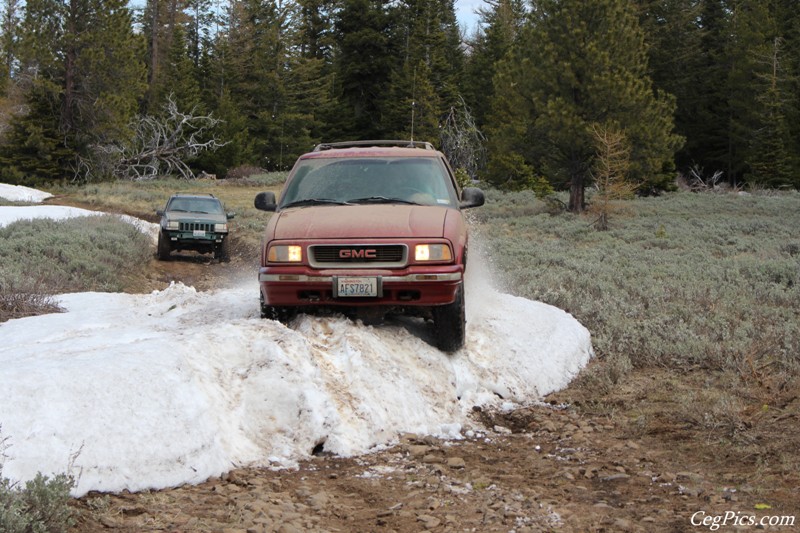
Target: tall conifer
point(80, 62)
point(579, 63)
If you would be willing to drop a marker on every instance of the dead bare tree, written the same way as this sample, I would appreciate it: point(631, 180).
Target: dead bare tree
point(159, 146)
point(463, 142)
point(700, 182)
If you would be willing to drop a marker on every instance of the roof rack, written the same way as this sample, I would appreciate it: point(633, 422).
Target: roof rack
point(353, 144)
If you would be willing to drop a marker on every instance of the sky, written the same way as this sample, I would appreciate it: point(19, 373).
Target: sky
point(148, 391)
point(465, 12)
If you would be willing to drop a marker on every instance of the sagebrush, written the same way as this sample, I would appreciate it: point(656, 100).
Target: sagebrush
point(43, 257)
point(40, 506)
point(691, 279)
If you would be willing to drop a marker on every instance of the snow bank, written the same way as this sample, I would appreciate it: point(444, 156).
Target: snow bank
point(152, 391)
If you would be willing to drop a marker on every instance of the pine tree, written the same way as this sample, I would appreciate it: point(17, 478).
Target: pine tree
point(579, 63)
point(678, 66)
point(500, 25)
point(179, 74)
point(277, 89)
point(413, 108)
point(159, 22)
point(788, 19)
point(9, 24)
point(315, 28)
point(768, 155)
point(79, 60)
point(362, 68)
point(232, 131)
point(427, 81)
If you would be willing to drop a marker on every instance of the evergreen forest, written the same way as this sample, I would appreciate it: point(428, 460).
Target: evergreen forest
point(96, 90)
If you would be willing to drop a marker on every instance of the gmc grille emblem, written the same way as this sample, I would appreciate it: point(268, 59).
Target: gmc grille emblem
point(366, 253)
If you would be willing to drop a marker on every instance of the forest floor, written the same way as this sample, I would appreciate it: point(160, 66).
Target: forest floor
point(632, 458)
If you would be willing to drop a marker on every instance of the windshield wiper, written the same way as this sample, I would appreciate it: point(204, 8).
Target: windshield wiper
point(313, 201)
point(381, 200)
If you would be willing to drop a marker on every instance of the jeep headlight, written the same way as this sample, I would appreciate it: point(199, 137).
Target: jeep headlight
point(173, 224)
point(432, 252)
point(285, 253)
point(221, 228)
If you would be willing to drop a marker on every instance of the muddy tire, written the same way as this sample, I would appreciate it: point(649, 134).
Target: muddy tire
point(450, 324)
point(164, 247)
point(223, 251)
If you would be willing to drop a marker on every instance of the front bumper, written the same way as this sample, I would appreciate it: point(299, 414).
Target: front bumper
point(412, 286)
point(188, 237)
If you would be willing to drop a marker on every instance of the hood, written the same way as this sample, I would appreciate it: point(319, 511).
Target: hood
point(361, 221)
point(183, 216)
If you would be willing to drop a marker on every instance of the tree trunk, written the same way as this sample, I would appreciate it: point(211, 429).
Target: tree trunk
point(576, 188)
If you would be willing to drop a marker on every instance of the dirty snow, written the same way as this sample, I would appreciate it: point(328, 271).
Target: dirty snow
point(152, 391)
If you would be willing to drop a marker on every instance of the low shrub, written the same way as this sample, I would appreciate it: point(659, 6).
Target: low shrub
point(691, 279)
point(42, 257)
point(41, 506)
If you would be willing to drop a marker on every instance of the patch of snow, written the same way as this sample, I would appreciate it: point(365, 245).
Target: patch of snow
point(19, 193)
point(11, 214)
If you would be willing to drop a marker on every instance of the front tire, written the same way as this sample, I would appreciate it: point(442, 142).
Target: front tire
point(450, 323)
point(164, 247)
point(284, 315)
point(223, 251)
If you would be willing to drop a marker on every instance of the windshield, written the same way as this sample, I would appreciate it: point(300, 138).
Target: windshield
point(195, 205)
point(405, 180)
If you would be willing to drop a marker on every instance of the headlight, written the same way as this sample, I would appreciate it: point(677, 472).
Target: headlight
point(173, 224)
point(221, 228)
point(432, 252)
point(282, 253)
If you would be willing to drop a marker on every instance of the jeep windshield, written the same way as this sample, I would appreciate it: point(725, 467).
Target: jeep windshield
point(195, 205)
point(369, 180)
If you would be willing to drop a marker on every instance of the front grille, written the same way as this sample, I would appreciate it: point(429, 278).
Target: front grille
point(192, 226)
point(359, 254)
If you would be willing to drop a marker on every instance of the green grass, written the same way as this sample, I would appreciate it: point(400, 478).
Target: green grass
point(686, 279)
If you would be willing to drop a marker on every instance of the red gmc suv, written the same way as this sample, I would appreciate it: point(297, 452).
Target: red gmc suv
point(369, 228)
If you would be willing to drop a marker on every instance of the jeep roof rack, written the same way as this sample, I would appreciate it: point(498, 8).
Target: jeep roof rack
point(353, 144)
point(194, 194)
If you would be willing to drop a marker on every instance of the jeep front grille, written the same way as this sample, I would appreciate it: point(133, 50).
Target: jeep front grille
point(358, 256)
point(192, 226)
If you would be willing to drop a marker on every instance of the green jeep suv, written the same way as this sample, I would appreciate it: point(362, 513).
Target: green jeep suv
point(194, 222)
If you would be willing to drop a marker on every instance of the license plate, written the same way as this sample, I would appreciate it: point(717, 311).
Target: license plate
point(356, 287)
point(199, 233)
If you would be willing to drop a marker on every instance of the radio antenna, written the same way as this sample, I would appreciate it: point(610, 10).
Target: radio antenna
point(413, 107)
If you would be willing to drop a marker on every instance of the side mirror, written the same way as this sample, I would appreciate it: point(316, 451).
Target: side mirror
point(160, 212)
point(230, 215)
point(265, 201)
point(472, 197)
